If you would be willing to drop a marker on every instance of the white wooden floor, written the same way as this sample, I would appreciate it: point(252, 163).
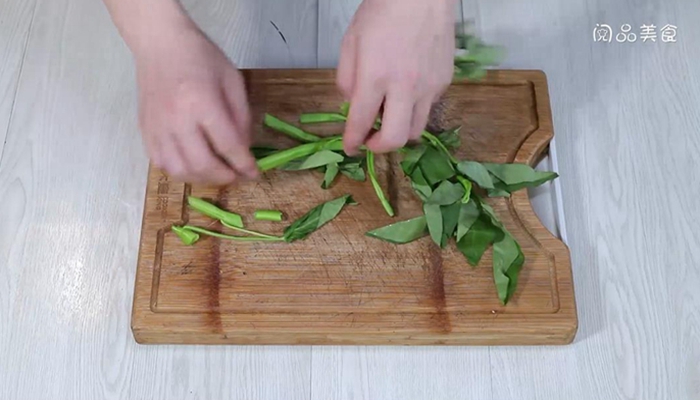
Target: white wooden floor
point(72, 176)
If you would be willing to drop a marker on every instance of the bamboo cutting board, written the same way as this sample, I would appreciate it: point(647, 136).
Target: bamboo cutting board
point(339, 286)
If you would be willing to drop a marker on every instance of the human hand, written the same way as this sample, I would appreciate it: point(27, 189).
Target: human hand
point(193, 110)
point(399, 53)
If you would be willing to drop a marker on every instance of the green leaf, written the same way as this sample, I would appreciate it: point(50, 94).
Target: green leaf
point(433, 217)
point(468, 214)
point(519, 176)
point(477, 239)
point(289, 129)
point(477, 173)
point(420, 185)
point(499, 191)
point(436, 166)
point(446, 193)
point(450, 219)
point(450, 138)
point(329, 176)
point(508, 259)
point(318, 159)
point(316, 218)
point(411, 158)
point(402, 232)
point(353, 171)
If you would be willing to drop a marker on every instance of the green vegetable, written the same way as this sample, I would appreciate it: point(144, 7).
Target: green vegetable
point(420, 184)
point(450, 138)
point(433, 217)
point(477, 239)
point(186, 236)
point(268, 215)
point(316, 218)
point(446, 193)
point(411, 157)
point(352, 170)
point(289, 129)
point(436, 167)
point(375, 183)
point(316, 118)
point(477, 173)
point(450, 219)
point(508, 259)
point(267, 238)
point(318, 159)
point(284, 157)
point(330, 174)
point(518, 176)
point(468, 214)
point(212, 211)
point(467, 185)
point(402, 232)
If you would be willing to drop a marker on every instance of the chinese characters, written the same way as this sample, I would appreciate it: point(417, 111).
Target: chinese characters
point(647, 33)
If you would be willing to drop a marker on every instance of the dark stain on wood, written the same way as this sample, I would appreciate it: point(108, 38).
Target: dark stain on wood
point(436, 277)
point(213, 276)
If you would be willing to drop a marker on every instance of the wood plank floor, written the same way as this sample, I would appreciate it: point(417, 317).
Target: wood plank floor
point(72, 175)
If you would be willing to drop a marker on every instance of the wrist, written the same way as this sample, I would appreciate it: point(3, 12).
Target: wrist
point(147, 26)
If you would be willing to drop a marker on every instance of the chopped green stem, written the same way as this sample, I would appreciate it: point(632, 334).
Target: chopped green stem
point(289, 129)
point(220, 235)
point(378, 189)
point(283, 157)
point(242, 230)
point(437, 143)
point(467, 188)
point(317, 118)
point(212, 211)
point(268, 215)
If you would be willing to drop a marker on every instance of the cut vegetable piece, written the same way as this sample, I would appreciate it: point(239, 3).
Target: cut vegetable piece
point(318, 159)
point(468, 214)
point(446, 193)
point(268, 215)
point(477, 239)
point(329, 175)
point(450, 219)
point(187, 237)
point(402, 232)
point(436, 167)
point(318, 118)
point(508, 259)
point(289, 129)
point(450, 138)
point(212, 211)
point(420, 185)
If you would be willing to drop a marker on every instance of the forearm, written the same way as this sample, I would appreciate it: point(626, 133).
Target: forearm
point(145, 23)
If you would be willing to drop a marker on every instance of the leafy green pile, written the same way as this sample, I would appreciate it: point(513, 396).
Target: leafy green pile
point(452, 191)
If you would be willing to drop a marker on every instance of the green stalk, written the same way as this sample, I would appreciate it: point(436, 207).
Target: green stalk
point(378, 189)
point(231, 237)
point(319, 118)
point(289, 129)
point(283, 157)
point(254, 233)
point(467, 188)
point(215, 212)
point(268, 215)
point(186, 236)
point(437, 143)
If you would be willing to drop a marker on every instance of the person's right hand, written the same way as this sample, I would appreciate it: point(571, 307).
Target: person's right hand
point(193, 110)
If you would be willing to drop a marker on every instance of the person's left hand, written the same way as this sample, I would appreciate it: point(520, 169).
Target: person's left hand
point(399, 53)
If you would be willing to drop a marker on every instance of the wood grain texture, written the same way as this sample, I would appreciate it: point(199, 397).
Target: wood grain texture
point(338, 286)
point(72, 181)
point(15, 25)
point(627, 136)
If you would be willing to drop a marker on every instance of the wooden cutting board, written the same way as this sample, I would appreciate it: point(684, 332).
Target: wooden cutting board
point(339, 286)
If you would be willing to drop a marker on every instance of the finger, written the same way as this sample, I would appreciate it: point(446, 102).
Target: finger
point(421, 114)
point(345, 79)
point(229, 142)
point(153, 149)
point(173, 160)
point(364, 108)
point(201, 162)
point(237, 100)
point(396, 124)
